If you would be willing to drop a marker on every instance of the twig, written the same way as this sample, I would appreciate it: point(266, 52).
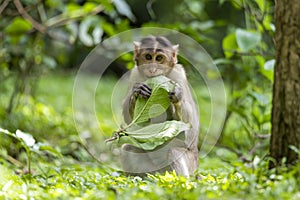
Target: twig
point(13, 12)
point(262, 136)
point(150, 9)
point(62, 19)
point(42, 12)
point(3, 5)
point(116, 135)
point(14, 161)
point(256, 146)
point(41, 28)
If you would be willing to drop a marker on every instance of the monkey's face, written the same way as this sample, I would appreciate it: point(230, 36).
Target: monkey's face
point(154, 64)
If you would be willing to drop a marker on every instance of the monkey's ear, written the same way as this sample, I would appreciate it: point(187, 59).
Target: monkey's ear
point(174, 54)
point(136, 49)
point(176, 47)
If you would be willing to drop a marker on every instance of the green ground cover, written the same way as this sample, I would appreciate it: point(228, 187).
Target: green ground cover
point(61, 168)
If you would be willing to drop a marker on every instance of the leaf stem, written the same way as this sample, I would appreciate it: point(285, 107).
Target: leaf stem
point(117, 135)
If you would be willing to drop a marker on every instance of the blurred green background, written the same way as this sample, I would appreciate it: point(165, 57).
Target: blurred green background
point(43, 43)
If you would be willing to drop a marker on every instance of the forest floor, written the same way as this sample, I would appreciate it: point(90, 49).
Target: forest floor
point(61, 167)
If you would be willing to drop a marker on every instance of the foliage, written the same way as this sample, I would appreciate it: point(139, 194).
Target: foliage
point(47, 160)
point(215, 180)
point(77, 175)
point(249, 54)
point(29, 144)
point(39, 36)
point(237, 33)
point(153, 135)
point(245, 59)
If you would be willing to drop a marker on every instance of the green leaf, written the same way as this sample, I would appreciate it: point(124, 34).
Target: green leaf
point(89, 7)
point(44, 147)
point(268, 74)
point(54, 4)
point(162, 82)
point(295, 149)
point(149, 136)
point(238, 110)
point(5, 132)
point(262, 99)
point(261, 4)
point(157, 103)
point(73, 7)
point(108, 28)
point(159, 97)
point(26, 138)
point(237, 4)
point(156, 110)
point(221, 2)
point(269, 65)
point(268, 70)
point(90, 31)
point(124, 9)
point(260, 60)
point(49, 61)
point(18, 26)
point(229, 45)
point(247, 39)
point(153, 135)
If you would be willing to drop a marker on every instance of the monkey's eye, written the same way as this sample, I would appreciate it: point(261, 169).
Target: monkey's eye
point(148, 57)
point(159, 58)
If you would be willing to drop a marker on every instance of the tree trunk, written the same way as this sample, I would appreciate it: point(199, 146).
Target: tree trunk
point(286, 90)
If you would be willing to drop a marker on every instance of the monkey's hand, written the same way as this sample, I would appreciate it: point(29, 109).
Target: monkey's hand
point(142, 90)
point(176, 95)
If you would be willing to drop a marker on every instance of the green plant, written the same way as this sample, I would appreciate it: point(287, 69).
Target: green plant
point(40, 36)
point(30, 145)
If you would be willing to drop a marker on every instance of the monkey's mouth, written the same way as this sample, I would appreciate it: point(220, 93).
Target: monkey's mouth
point(153, 73)
point(152, 70)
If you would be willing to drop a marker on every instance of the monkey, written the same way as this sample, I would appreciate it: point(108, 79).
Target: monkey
point(155, 56)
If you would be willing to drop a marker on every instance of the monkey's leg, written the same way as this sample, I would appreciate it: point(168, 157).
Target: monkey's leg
point(135, 160)
point(184, 161)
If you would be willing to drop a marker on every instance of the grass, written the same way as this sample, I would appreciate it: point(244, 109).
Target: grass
point(73, 174)
point(214, 180)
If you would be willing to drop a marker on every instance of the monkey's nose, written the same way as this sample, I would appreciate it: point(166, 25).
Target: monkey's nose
point(152, 70)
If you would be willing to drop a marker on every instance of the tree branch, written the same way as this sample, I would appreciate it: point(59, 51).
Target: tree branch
point(262, 136)
point(41, 28)
point(62, 19)
point(3, 5)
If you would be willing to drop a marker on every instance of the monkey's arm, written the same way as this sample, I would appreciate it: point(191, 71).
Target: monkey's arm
point(186, 108)
point(136, 89)
point(176, 95)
